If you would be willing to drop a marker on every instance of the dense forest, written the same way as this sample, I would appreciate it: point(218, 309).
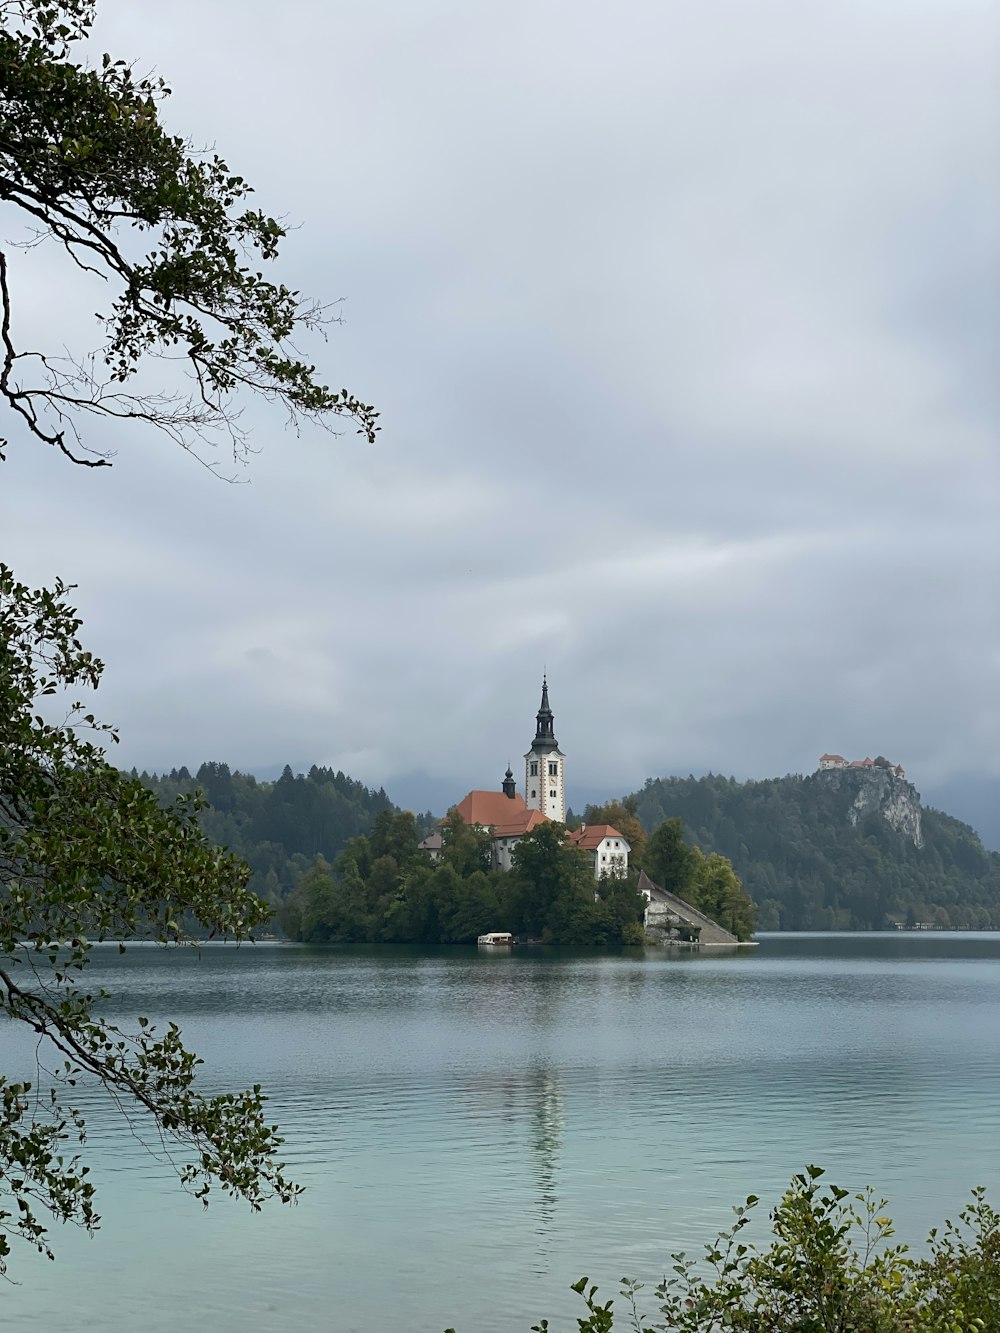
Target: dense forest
point(339, 862)
point(382, 889)
point(317, 845)
point(808, 868)
point(277, 827)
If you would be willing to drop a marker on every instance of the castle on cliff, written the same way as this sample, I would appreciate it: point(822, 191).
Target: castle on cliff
point(829, 761)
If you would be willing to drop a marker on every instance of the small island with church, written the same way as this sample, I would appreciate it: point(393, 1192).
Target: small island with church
point(517, 866)
point(845, 845)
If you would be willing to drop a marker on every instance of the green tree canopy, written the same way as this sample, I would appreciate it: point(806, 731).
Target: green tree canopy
point(811, 864)
point(467, 847)
point(717, 891)
point(552, 887)
point(86, 855)
point(707, 882)
point(170, 239)
point(670, 861)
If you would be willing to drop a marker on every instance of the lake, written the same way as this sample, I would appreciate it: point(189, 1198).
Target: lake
point(476, 1132)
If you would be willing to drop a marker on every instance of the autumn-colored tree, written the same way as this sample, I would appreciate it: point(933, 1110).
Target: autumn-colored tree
point(622, 816)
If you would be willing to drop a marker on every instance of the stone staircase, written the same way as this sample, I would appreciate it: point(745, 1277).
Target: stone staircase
point(711, 931)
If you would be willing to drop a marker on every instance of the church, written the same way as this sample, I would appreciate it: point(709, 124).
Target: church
point(509, 816)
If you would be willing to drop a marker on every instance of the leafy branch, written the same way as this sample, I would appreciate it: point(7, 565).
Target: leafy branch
point(87, 164)
point(87, 854)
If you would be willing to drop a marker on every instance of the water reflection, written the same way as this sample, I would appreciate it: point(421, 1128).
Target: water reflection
point(468, 1125)
point(527, 1112)
point(549, 1095)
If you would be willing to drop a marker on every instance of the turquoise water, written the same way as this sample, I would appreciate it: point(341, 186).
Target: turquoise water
point(476, 1132)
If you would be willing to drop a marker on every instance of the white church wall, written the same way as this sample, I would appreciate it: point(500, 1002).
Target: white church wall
point(545, 783)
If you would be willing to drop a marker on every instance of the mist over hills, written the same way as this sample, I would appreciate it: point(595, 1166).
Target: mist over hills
point(972, 798)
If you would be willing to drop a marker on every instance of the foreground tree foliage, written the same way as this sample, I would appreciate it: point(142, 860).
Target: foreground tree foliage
point(829, 1268)
point(87, 854)
point(167, 236)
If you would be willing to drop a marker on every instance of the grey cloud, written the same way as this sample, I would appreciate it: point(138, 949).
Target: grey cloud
point(683, 320)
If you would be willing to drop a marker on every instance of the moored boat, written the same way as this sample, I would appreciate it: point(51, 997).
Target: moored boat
point(496, 939)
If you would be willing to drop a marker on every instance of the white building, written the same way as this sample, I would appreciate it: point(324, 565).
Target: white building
point(433, 845)
point(607, 847)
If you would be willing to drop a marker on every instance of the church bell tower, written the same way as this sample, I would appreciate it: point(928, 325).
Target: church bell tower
point(544, 766)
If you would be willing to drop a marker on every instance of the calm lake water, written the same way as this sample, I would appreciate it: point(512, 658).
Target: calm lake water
point(476, 1132)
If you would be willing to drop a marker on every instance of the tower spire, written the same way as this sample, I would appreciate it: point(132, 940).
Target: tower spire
point(544, 775)
point(545, 738)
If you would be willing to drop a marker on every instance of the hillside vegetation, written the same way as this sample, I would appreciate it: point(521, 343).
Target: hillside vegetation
point(790, 841)
point(807, 867)
point(339, 863)
point(280, 827)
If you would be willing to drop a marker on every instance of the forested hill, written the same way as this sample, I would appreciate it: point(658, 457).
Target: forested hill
point(808, 867)
point(791, 840)
point(278, 827)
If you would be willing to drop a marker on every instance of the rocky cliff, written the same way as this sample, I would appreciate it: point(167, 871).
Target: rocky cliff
point(842, 849)
point(878, 791)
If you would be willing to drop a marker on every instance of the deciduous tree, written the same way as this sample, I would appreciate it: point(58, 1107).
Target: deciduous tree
point(87, 854)
point(622, 816)
point(170, 240)
point(467, 847)
point(552, 887)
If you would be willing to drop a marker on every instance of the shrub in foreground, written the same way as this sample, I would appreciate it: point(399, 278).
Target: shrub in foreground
point(830, 1267)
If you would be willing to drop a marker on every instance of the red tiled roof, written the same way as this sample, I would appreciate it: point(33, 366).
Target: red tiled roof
point(520, 824)
point(489, 808)
point(839, 757)
point(592, 835)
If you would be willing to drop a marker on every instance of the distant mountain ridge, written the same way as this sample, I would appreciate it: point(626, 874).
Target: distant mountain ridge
point(845, 849)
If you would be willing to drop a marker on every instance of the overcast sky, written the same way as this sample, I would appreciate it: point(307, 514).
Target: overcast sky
point(683, 318)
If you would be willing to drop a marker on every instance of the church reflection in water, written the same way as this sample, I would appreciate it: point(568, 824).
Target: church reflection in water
point(530, 1104)
point(549, 1124)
